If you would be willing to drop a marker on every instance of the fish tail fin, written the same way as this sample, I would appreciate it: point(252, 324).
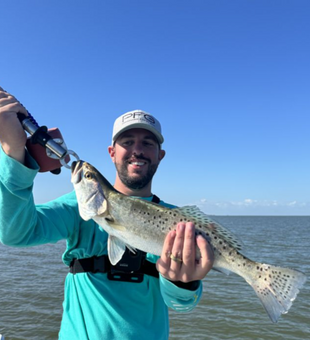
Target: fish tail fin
point(276, 288)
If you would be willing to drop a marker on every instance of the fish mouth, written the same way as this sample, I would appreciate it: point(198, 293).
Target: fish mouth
point(76, 171)
point(74, 164)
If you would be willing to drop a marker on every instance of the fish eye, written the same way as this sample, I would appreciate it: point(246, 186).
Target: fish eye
point(88, 175)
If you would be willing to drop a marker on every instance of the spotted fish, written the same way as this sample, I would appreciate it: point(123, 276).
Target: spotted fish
point(139, 224)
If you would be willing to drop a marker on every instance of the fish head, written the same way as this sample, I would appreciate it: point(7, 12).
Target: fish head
point(88, 189)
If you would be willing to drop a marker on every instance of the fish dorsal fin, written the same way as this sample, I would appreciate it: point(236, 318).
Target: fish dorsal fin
point(194, 214)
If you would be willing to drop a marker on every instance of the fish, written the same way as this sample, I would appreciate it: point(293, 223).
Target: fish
point(139, 224)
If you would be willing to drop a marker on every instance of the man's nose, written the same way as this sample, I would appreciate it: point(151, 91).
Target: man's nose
point(138, 149)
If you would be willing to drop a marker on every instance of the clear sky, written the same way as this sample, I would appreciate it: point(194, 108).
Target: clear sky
point(228, 80)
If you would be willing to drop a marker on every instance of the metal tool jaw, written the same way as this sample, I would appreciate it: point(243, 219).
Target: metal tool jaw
point(46, 146)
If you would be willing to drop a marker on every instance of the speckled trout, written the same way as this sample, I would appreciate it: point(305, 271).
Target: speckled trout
point(139, 224)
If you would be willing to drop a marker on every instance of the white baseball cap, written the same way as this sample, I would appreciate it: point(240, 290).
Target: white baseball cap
point(137, 119)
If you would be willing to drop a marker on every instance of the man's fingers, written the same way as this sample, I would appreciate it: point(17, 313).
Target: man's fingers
point(207, 255)
point(178, 258)
point(189, 248)
point(4, 101)
point(167, 248)
point(177, 249)
point(9, 104)
point(163, 263)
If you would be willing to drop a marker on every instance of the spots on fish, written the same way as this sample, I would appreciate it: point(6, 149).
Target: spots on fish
point(263, 291)
point(207, 225)
point(282, 284)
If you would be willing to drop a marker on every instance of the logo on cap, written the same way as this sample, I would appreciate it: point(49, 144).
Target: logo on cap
point(137, 119)
point(139, 116)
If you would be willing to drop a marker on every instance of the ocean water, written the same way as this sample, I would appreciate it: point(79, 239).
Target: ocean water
point(32, 279)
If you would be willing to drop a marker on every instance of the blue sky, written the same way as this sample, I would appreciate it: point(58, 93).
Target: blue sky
point(229, 81)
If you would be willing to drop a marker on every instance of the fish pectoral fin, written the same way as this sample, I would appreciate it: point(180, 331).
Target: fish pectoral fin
point(116, 249)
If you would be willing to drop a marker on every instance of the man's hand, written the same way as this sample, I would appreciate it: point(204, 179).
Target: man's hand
point(178, 259)
point(12, 136)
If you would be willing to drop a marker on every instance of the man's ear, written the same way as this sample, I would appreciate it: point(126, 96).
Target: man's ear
point(162, 154)
point(111, 150)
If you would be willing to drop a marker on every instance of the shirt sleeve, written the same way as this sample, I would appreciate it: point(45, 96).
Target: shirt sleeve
point(23, 223)
point(179, 299)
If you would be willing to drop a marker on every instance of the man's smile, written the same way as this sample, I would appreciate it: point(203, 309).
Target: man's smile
point(137, 163)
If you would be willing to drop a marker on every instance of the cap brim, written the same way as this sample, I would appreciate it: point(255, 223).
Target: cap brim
point(158, 136)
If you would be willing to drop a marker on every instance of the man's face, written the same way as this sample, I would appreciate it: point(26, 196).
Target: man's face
point(136, 155)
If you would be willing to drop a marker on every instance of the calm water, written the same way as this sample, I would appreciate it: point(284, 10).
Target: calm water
point(31, 288)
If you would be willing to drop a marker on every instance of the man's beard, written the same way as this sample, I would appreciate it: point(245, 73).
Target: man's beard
point(135, 183)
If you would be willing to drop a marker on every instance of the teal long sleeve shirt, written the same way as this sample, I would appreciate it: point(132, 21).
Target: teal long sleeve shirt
point(94, 307)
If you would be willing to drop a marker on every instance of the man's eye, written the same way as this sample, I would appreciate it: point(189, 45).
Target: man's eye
point(127, 143)
point(149, 143)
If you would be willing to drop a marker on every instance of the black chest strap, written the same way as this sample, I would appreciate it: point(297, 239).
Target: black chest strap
point(120, 272)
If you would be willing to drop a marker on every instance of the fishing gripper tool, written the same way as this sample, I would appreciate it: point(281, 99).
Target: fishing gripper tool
point(46, 146)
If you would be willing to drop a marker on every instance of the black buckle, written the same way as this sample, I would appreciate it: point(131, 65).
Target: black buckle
point(100, 264)
point(127, 269)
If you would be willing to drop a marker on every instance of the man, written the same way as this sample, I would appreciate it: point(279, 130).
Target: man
point(97, 303)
